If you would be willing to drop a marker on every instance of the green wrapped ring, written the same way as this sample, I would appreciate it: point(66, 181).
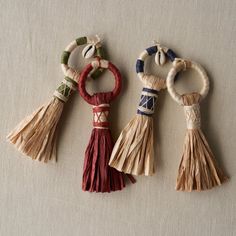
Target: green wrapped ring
point(94, 48)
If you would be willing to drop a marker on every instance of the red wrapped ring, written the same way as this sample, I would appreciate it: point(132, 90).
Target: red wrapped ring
point(99, 63)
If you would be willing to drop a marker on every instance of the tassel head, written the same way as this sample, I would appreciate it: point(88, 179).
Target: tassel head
point(66, 88)
point(198, 169)
point(147, 102)
point(193, 116)
point(100, 116)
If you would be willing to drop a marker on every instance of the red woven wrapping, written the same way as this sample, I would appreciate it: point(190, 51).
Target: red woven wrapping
point(98, 176)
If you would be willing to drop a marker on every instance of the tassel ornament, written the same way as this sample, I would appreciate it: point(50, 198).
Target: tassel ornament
point(36, 135)
point(133, 152)
point(98, 176)
point(198, 169)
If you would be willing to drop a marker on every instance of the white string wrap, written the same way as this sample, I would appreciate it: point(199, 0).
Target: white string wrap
point(65, 68)
point(147, 97)
point(181, 64)
point(100, 63)
point(95, 40)
point(143, 55)
point(100, 116)
point(60, 94)
point(193, 116)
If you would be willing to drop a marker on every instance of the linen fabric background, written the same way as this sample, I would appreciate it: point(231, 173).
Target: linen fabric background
point(46, 199)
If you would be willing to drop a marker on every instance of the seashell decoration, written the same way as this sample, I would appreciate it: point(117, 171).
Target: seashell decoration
point(160, 57)
point(88, 51)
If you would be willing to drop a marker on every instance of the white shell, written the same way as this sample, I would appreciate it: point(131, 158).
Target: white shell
point(160, 57)
point(88, 51)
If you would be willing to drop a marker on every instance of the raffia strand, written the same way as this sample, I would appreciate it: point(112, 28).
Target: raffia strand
point(133, 152)
point(36, 135)
point(198, 169)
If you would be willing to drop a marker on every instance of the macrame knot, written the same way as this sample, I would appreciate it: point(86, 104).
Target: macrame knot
point(95, 39)
point(100, 116)
point(147, 102)
point(65, 89)
point(193, 116)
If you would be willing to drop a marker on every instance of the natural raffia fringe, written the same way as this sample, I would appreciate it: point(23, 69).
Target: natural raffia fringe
point(35, 136)
point(198, 169)
point(133, 152)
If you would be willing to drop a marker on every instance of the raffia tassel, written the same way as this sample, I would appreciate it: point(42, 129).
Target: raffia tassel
point(36, 135)
point(198, 169)
point(133, 152)
point(98, 176)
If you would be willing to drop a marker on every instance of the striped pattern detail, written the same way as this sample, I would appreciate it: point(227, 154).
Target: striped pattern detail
point(147, 102)
point(67, 70)
point(152, 91)
point(148, 52)
point(171, 55)
point(65, 57)
point(152, 50)
point(139, 66)
point(65, 89)
point(67, 52)
point(100, 116)
point(143, 55)
point(100, 52)
point(81, 41)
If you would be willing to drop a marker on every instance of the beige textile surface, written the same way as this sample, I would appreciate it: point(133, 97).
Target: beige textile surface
point(46, 199)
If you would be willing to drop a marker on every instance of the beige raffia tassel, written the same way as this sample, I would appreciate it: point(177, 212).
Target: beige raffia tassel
point(36, 135)
point(198, 169)
point(133, 152)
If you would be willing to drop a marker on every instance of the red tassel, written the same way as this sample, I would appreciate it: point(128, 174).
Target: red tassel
point(98, 176)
